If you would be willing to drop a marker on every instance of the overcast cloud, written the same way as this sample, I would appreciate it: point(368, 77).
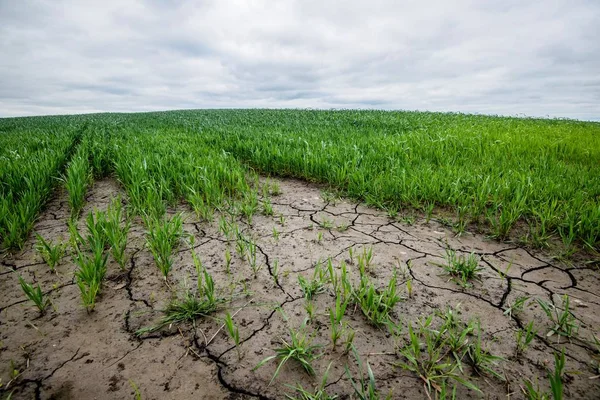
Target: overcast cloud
point(508, 57)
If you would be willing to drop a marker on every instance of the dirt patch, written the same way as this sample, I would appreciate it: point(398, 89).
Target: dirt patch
point(69, 353)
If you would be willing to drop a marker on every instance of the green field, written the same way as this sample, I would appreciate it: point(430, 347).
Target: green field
point(168, 255)
point(524, 179)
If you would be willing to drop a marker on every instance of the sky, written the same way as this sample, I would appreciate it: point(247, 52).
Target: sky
point(506, 57)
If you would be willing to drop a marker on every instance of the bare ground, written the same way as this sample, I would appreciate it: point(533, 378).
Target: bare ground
point(70, 354)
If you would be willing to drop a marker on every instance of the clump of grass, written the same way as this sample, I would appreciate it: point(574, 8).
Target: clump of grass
point(319, 393)
point(50, 253)
point(481, 360)
point(315, 285)
point(556, 382)
point(426, 356)
point(35, 294)
point(364, 387)
point(299, 349)
point(463, 269)
point(563, 321)
point(190, 306)
point(376, 304)
point(516, 307)
point(162, 238)
point(524, 337)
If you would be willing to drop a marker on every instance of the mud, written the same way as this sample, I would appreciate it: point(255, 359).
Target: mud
point(71, 354)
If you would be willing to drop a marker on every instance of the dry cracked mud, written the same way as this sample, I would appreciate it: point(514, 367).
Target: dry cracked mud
point(70, 354)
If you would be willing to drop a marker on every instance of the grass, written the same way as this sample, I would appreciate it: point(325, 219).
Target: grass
point(299, 349)
point(35, 294)
point(233, 332)
point(555, 377)
point(376, 304)
point(563, 322)
point(503, 174)
point(463, 269)
point(162, 238)
point(77, 179)
point(50, 253)
point(90, 274)
point(319, 393)
point(365, 387)
point(311, 287)
point(189, 306)
point(116, 232)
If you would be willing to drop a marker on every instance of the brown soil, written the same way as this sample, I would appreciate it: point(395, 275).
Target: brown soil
point(70, 354)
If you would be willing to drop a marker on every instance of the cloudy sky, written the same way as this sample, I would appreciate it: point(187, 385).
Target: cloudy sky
point(511, 57)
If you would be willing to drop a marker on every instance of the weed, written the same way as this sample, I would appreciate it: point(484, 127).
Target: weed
point(480, 359)
point(426, 356)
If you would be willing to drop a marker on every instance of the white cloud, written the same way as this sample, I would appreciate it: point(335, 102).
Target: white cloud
point(501, 57)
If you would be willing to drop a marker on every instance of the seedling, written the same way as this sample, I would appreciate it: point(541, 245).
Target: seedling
point(227, 261)
point(90, 275)
point(364, 387)
point(299, 349)
point(425, 355)
point(326, 223)
point(162, 238)
point(252, 258)
point(233, 332)
point(115, 233)
point(563, 321)
point(516, 307)
point(35, 294)
point(318, 394)
point(556, 382)
point(480, 359)
point(275, 233)
point(374, 303)
point(49, 252)
point(336, 315)
point(462, 269)
point(314, 286)
point(189, 306)
point(267, 207)
point(524, 338)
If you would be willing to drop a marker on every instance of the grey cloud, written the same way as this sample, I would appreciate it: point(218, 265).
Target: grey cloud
point(498, 57)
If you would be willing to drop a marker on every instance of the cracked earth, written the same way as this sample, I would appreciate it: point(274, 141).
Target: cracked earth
point(70, 354)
